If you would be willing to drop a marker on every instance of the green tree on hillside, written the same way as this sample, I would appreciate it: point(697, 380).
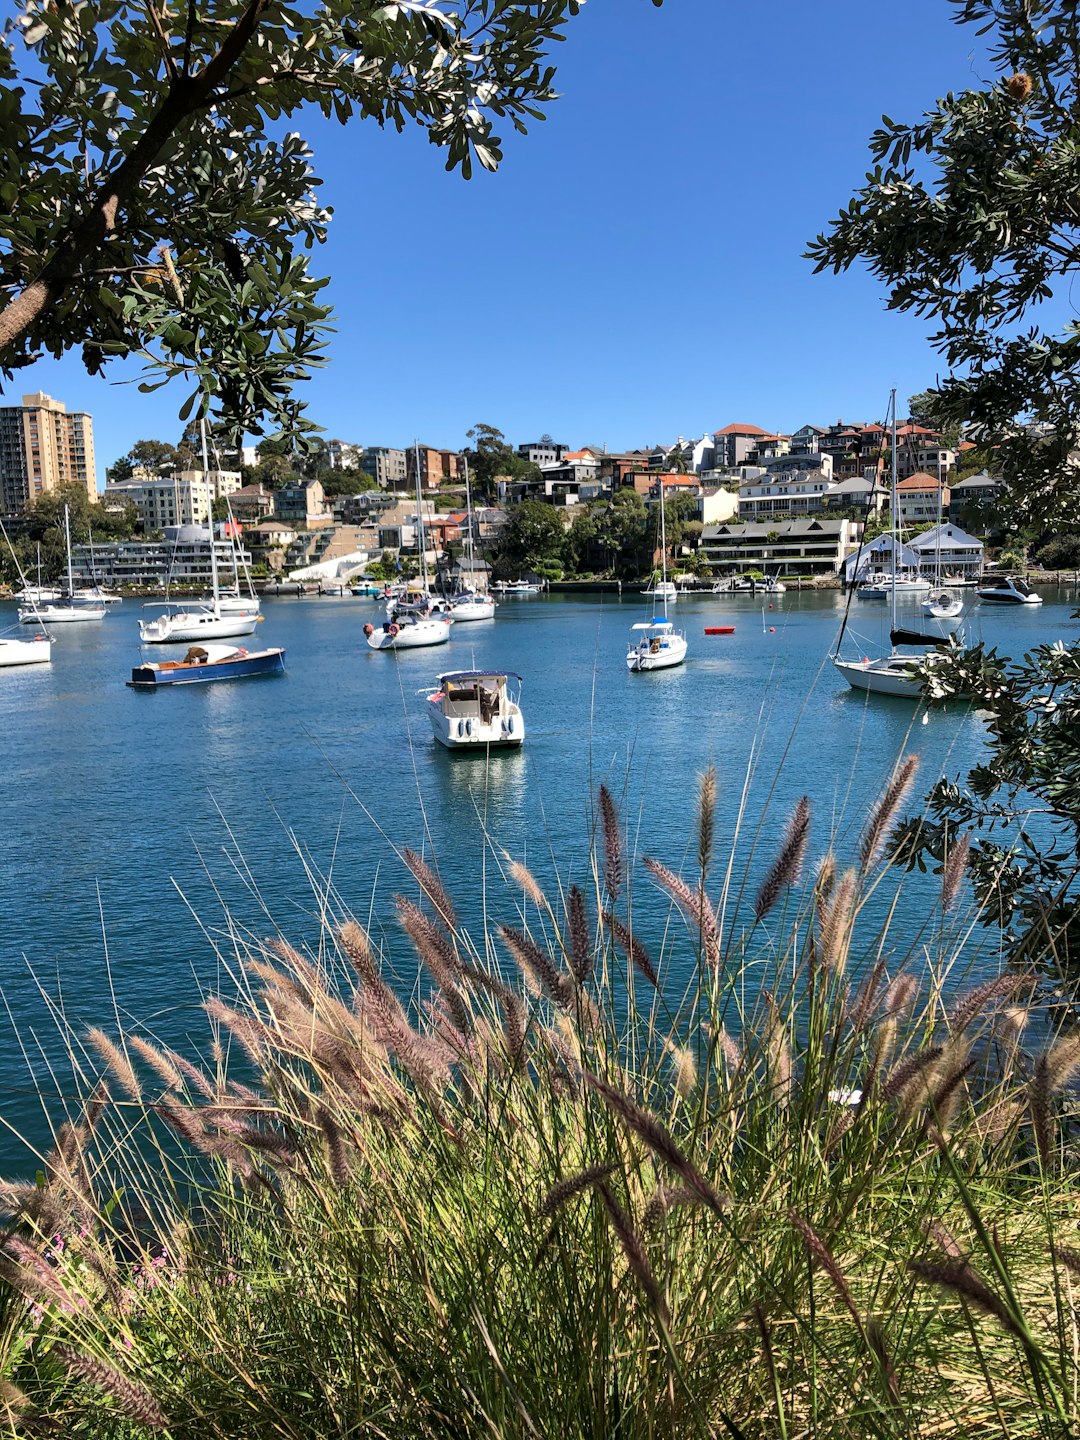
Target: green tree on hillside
point(155, 206)
point(969, 216)
point(533, 539)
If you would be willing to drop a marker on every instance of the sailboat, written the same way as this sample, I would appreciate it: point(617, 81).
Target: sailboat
point(36, 651)
point(471, 604)
point(941, 603)
point(58, 612)
point(407, 628)
point(895, 673)
point(207, 662)
point(39, 593)
point(655, 644)
point(199, 620)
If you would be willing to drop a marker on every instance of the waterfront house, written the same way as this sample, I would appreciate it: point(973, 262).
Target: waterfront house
point(976, 501)
point(948, 550)
point(785, 489)
point(181, 559)
point(859, 493)
point(876, 557)
point(920, 499)
point(811, 546)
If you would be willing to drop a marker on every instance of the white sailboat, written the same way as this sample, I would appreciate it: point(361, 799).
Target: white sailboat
point(59, 612)
point(655, 644)
point(471, 604)
point(893, 674)
point(35, 594)
point(408, 630)
point(942, 603)
point(38, 649)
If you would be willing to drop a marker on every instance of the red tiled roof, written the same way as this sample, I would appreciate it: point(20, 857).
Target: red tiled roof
point(968, 445)
point(919, 481)
point(579, 455)
point(740, 430)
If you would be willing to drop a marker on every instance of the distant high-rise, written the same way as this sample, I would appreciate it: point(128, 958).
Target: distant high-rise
point(42, 447)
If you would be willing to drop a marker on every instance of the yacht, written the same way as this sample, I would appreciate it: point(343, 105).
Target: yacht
point(476, 710)
point(1008, 590)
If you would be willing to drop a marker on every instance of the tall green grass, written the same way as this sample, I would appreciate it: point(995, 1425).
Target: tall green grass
point(819, 1193)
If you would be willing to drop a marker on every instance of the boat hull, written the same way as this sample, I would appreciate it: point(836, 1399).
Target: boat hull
point(26, 652)
point(475, 711)
point(61, 614)
point(896, 675)
point(643, 657)
point(240, 665)
point(473, 610)
point(408, 637)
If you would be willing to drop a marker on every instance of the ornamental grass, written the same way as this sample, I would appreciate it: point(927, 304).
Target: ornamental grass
point(827, 1189)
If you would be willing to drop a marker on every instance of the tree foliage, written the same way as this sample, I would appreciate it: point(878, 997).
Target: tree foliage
point(490, 457)
point(151, 204)
point(969, 216)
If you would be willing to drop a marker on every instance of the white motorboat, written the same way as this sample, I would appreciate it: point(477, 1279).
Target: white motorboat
point(95, 595)
point(516, 587)
point(37, 595)
point(943, 604)
point(884, 586)
point(655, 645)
point(62, 612)
point(663, 590)
point(476, 710)
point(1008, 590)
point(408, 632)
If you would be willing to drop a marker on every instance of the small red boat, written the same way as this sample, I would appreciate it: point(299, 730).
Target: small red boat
point(719, 629)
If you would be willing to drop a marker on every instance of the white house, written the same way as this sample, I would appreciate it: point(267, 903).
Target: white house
point(947, 550)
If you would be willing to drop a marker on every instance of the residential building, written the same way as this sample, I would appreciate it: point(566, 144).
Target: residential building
point(876, 558)
point(947, 550)
point(343, 456)
point(918, 458)
point(920, 499)
point(811, 546)
point(43, 446)
point(788, 491)
point(437, 467)
point(303, 504)
point(167, 501)
point(717, 505)
point(806, 440)
point(389, 468)
point(770, 447)
point(181, 559)
point(734, 443)
point(860, 493)
point(252, 503)
point(542, 452)
point(976, 501)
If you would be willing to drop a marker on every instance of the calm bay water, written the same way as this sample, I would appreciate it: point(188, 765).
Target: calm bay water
point(128, 818)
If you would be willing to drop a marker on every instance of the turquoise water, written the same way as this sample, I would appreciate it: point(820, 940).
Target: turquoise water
point(129, 818)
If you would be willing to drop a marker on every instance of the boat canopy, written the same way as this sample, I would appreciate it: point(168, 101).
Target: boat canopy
point(465, 675)
point(918, 637)
point(655, 624)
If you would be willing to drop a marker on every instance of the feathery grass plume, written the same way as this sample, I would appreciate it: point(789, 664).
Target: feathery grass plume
point(131, 1399)
point(253, 1036)
point(826, 1260)
point(824, 880)
point(357, 947)
point(527, 880)
point(656, 1137)
point(706, 818)
point(944, 1239)
point(273, 1147)
point(875, 1339)
point(973, 1001)
point(866, 998)
point(573, 1185)
point(730, 1050)
point(962, 1280)
point(1069, 1258)
point(998, 1121)
point(532, 959)
point(779, 1053)
point(835, 928)
point(952, 872)
point(305, 971)
point(685, 1067)
point(613, 857)
point(668, 1197)
point(635, 1254)
point(839, 1125)
point(696, 905)
point(432, 887)
point(35, 1278)
point(190, 1072)
point(437, 953)
point(16, 1196)
point(899, 994)
point(13, 1404)
point(946, 1098)
point(1052, 1069)
point(580, 947)
point(632, 947)
point(786, 869)
point(117, 1062)
point(908, 1068)
point(157, 1061)
point(881, 817)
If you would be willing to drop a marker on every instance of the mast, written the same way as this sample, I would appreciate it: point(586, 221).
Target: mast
point(468, 520)
point(420, 519)
point(663, 548)
point(210, 515)
point(67, 538)
point(895, 521)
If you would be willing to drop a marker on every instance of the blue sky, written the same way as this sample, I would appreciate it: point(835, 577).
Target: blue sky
point(633, 271)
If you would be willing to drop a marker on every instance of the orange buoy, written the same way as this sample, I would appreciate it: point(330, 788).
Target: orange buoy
point(369, 629)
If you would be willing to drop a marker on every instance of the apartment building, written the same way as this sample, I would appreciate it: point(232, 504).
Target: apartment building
point(437, 467)
point(43, 446)
point(186, 498)
point(387, 467)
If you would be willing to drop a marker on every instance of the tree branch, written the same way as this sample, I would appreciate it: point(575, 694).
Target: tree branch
point(159, 30)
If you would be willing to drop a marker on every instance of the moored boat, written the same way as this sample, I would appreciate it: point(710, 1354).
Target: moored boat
point(476, 710)
point(1008, 590)
point(205, 663)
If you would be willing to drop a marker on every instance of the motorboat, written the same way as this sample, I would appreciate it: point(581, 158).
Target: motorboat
point(663, 590)
point(655, 645)
point(516, 587)
point(942, 603)
point(205, 663)
point(366, 588)
point(408, 632)
point(95, 595)
point(1008, 590)
point(476, 710)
